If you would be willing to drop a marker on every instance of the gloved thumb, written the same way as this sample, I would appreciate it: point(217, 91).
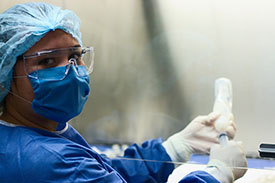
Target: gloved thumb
point(212, 117)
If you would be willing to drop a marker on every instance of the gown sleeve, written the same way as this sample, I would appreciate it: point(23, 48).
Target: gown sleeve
point(199, 177)
point(146, 163)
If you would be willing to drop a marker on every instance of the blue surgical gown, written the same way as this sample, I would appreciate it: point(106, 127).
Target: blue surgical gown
point(32, 155)
point(199, 177)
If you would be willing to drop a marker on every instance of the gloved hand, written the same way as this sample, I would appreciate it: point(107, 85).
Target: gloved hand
point(197, 137)
point(227, 163)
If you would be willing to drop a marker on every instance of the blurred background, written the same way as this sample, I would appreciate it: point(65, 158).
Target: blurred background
point(156, 63)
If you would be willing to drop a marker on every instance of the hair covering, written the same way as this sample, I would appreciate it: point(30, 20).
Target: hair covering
point(22, 26)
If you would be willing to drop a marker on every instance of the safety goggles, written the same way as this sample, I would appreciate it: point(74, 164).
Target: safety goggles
point(48, 59)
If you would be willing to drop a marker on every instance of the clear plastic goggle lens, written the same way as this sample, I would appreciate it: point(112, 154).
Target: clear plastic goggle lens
point(49, 59)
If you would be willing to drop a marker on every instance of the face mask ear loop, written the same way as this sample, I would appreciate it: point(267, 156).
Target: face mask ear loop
point(15, 95)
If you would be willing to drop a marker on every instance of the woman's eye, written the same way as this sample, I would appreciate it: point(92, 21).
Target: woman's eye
point(47, 62)
point(77, 57)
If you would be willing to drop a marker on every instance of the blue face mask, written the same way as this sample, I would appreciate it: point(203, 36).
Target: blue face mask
point(60, 100)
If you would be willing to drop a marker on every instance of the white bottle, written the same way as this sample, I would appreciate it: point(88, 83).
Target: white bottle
point(223, 105)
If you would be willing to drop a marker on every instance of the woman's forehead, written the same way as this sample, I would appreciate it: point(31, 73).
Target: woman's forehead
point(54, 40)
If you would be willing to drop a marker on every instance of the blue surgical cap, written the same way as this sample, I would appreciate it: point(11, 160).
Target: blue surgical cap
point(22, 26)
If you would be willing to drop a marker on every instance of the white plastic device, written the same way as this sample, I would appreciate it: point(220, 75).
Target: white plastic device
point(223, 105)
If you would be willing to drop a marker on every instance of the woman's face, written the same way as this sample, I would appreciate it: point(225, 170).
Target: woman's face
point(21, 87)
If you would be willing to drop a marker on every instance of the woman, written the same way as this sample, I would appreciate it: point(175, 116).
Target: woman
point(45, 82)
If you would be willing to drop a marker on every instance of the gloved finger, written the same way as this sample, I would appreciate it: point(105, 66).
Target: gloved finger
point(231, 130)
point(212, 117)
point(200, 119)
point(240, 143)
point(233, 124)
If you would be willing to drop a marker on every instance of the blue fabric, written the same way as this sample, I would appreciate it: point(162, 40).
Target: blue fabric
point(60, 100)
point(145, 171)
point(32, 156)
point(199, 177)
point(22, 26)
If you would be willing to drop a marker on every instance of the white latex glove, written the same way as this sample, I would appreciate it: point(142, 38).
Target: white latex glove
point(197, 137)
point(227, 163)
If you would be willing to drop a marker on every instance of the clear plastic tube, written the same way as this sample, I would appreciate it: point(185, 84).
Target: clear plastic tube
point(223, 105)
